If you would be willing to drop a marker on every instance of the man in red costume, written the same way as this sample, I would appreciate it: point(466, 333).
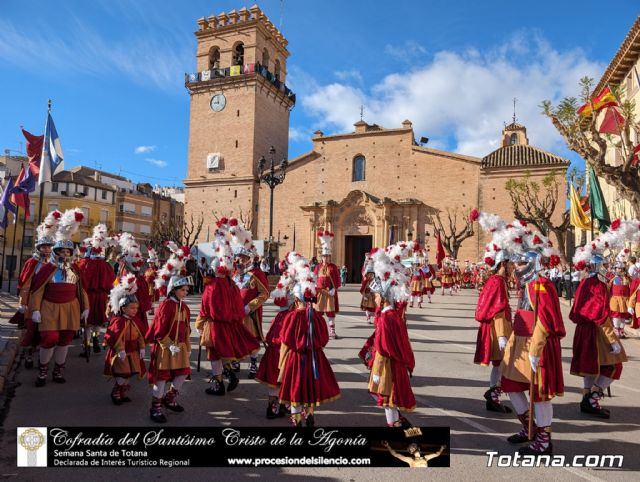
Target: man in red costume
point(494, 315)
point(597, 352)
point(328, 283)
point(150, 276)
point(97, 280)
point(533, 351)
point(417, 281)
point(42, 256)
point(220, 323)
point(252, 283)
point(307, 379)
point(368, 303)
point(58, 301)
point(619, 286)
point(131, 263)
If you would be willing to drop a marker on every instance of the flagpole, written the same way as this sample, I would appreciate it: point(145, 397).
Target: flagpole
point(24, 227)
point(13, 247)
point(42, 185)
point(4, 256)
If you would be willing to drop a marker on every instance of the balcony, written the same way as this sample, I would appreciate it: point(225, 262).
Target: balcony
point(246, 70)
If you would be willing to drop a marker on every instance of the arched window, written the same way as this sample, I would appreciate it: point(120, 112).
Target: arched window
point(238, 54)
point(276, 69)
point(358, 168)
point(514, 139)
point(214, 58)
point(265, 59)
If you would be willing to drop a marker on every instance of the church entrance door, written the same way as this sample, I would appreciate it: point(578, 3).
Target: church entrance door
point(355, 249)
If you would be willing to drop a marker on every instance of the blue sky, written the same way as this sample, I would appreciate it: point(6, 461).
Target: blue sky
point(115, 68)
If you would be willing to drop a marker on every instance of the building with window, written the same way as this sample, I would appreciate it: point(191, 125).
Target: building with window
point(371, 186)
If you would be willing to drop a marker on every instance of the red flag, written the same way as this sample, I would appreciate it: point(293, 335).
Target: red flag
point(604, 99)
point(21, 199)
point(440, 254)
point(636, 156)
point(612, 122)
point(34, 151)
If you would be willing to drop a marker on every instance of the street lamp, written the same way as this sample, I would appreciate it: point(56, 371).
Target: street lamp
point(271, 179)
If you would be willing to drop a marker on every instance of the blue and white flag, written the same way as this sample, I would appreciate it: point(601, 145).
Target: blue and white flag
point(6, 206)
point(52, 161)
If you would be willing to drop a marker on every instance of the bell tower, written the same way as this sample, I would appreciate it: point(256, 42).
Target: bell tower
point(240, 106)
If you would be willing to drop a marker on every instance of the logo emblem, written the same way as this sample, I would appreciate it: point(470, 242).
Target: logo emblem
point(32, 446)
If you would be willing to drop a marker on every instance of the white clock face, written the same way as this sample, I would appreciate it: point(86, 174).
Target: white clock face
point(218, 102)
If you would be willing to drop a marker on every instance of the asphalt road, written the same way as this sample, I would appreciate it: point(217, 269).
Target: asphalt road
point(448, 388)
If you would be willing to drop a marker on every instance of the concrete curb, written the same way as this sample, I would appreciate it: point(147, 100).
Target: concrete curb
point(9, 346)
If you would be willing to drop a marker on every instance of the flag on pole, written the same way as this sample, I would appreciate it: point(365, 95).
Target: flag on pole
point(6, 205)
point(596, 201)
point(34, 152)
point(612, 122)
point(440, 254)
point(577, 216)
point(25, 183)
point(602, 100)
point(52, 160)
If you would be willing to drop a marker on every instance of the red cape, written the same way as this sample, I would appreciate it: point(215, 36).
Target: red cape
point(549, 313)
point(334, 274)
point(27, 271)
point(97, 274)
point(493, 300)
point(221, 301)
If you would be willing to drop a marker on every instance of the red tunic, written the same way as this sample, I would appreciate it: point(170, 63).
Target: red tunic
point(329, 282)
point(228, 339)
point(391, 340)
point(143, 296)
point(97, 280)
point(635, 284)
point(122, 327)
point(307, 377)
point(163, 327)
point(30, 336)
point(149, 277)
point(493, 300)
point(268, 371)
point(589, 311)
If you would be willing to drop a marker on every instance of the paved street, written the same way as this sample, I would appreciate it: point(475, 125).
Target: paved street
point(447, 384)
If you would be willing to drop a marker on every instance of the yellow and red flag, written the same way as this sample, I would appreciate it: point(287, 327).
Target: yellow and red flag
point(604, 99)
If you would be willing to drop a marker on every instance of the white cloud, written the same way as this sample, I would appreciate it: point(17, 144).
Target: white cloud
point(157, 162)
point(407, 52)
point(461, 97)
point(346, 75)
point(144, 149)
point(299, 134)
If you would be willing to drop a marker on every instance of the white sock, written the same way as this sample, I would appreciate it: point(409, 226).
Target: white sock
point(297, 409)
point(411, 299)
point(494, 377)
point(588, 381)
point(60, 354)
point(274, 392)
point(216, 367)
point(543, 412)
point(46, 354)
point(519, 402)
point(178, 381)
point(121, 381)
point(331, 322)
point(158, 389)
point(389, 413)
point(604, 382)
point(420, 300)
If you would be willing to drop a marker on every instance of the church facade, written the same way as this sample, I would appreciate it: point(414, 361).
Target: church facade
point(370, 187)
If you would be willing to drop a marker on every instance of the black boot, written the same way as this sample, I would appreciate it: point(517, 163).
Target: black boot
point(541, 444)
point(123, 392)
point(310, 420)
point(96, 345)
point(235, 365)
point(273, 409)
point(523, 435)
point(253, 368)
point(41, 381)
point(155, 413)
point(116, 394)
point(591, 404)
point(492, 396)
point(170, 401)
point(404, 421)
point(216, 388)
point(57, 374)
point(233, 381)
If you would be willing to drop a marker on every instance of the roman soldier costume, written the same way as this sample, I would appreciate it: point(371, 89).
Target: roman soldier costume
point(168, 335)
point(620, 289)
point(125, 340)
point(306, 377)
point(416, 282)
point(252, 283)
point(446, 275)
point(367, 304)
point(220, 323)
point(532, 356)
point(97, 280)
point(131, 262)
point(429, 277)
point(42, 256)
point(390, 357)
point(328, 276)
point(598, 353)
point(634, 298)
point(58, 302)
point(150, 275)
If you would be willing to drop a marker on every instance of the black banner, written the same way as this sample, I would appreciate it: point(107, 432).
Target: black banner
point(247, 447)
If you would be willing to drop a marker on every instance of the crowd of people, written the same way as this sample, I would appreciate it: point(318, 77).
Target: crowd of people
point(148, 323)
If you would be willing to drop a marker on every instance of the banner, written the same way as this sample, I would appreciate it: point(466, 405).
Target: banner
point(133, 447)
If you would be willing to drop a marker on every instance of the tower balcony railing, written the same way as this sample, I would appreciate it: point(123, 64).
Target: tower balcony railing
point(239, 70)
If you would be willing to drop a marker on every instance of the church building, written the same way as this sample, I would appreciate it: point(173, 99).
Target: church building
point(370, 187)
